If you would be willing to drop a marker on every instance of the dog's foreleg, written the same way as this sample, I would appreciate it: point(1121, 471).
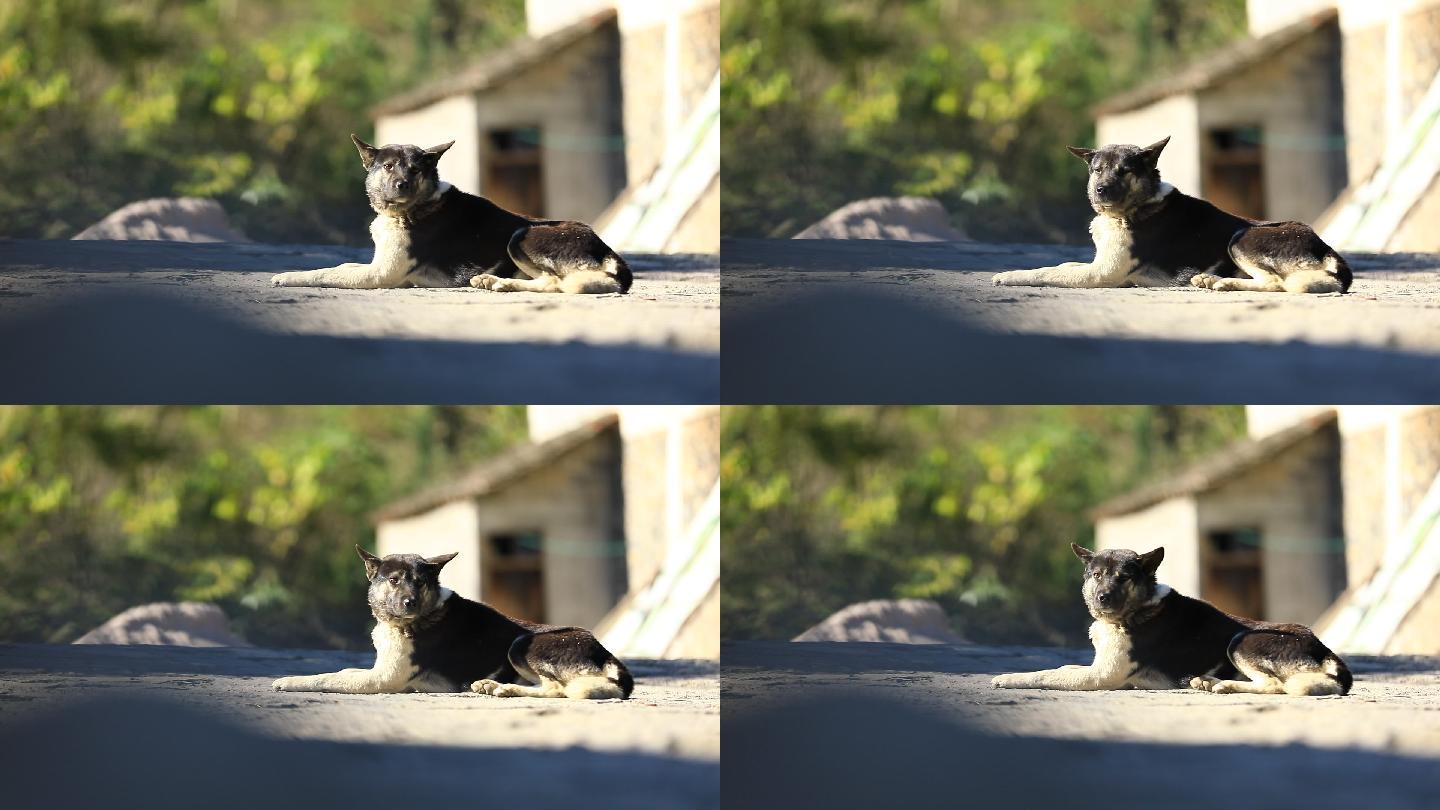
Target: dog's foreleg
point(1087, 275)
point(350, 276)
point(347, 681)
point(1073, 677)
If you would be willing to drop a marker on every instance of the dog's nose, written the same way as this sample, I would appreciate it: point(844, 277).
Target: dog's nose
point(408, 602)
point(401, 183)
point(1102, 189)
point(1106, 597)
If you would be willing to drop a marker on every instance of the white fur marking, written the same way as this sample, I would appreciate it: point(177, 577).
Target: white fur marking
point(387, 269)
point(1112, 265)
point(393, 672)
point(1110, 670)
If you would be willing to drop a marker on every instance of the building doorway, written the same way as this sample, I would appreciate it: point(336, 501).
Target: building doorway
point(513, 176)
point(1235, 170)
point(514, 581)
point(1232, 577)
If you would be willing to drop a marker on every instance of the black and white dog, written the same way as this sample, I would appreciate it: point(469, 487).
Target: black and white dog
point(430, 234)
point(1147, 636)
point(1147, 234)
point(427, 639)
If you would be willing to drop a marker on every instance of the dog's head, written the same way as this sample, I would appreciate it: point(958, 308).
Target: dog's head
point(403, 587)
point(1122, 177)
point(400, 176)
point(1118, 582)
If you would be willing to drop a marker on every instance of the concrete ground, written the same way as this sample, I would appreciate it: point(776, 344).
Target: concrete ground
point(153, 707)
point(179, 322)
point(927, 719)
point(872, 321)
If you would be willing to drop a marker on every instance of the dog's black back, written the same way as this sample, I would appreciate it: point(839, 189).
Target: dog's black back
point(1182, 234)
point(1186, 637)
point(466, 641)
point(463, 235)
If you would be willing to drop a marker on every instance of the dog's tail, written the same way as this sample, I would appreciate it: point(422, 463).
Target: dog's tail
point(1333, 679)
point(612, 277)
point(616, 683)
point(1333, 276)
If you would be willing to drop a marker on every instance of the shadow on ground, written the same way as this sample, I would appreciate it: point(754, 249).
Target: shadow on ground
point(888, 322)
point(125, 751)
point(869, 346)
point(148, 348)
point(857, 750)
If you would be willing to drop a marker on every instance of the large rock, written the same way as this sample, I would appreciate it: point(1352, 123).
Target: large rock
point(164, 219)
point(175, 624)
point(898, 621)
point(905, 219)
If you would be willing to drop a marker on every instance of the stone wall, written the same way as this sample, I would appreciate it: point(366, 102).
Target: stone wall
point(1171, 523)
point(1294, 500)
point(573, 98)
point(575, 504)
point(1294, 96)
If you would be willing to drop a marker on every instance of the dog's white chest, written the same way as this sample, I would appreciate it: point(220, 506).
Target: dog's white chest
point(394, 654)
point(392, 245)
point(1112, 646)
point(1114, 257)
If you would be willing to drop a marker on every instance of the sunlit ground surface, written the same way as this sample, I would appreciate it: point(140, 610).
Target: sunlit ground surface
point(137, 713)
point(939, 729)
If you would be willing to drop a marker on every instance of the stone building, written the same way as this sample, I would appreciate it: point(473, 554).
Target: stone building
point(1326, 113)
point(607, 112)
point(1257, 528)
point(607, 518)
point(540, 528)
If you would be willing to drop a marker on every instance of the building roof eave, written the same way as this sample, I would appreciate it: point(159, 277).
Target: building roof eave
point(1217, 66)
point(498, 471)
point(1215, 469)
point(496, 67)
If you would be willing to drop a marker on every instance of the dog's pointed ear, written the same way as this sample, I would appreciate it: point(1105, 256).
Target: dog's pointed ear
point(1153, 150)
point(439, 562)
point(372, 563)
point(1083, 154)
point(367, 152)
point(435, 152)
point(1083, 553)
point(1151, 560)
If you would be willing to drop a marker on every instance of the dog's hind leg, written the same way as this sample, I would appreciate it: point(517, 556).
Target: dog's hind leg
point(546, 689)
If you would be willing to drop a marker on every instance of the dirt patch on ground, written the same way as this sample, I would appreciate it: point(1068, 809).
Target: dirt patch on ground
point(872, 321)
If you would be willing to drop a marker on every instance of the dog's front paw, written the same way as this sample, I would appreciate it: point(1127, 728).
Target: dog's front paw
point(1204, 281)
point(291, 684)
point(283, 280)
point(1203, 683)
point(1010, 278)
point(1005, 681)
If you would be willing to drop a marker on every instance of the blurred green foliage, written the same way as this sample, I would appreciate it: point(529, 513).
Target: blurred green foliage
point(254, 509)
point(104, 102)
point(974, 507)
point(972, 103)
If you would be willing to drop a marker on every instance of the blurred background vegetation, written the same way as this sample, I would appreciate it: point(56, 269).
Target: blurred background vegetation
point(968, 102)
point(973, 507)
point(104, 102)
point(256, 509)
